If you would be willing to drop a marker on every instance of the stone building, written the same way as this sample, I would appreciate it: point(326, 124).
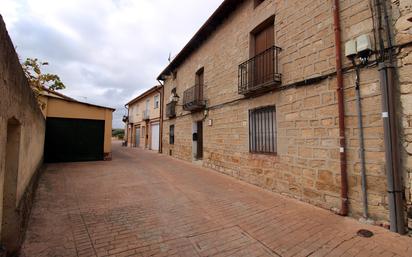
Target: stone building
point(22, 132)
point(264, 92)
point(143, 122)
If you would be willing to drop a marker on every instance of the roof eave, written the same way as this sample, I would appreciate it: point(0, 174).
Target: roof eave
point(221, 13)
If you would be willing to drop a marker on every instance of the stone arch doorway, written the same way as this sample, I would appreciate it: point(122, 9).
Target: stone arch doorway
point(10, 221)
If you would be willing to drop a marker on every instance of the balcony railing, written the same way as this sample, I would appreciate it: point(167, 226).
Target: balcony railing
point(146, 115)
point(260, 73)
point(193, 99)
point(171, 109)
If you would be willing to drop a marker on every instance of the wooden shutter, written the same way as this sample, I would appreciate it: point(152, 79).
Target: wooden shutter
point(263, 65)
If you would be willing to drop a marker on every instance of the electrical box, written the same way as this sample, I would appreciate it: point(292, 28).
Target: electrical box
point(363, 45)
point(350, 49)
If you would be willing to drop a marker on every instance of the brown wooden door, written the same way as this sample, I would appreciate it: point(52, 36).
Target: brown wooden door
point(263, 65)
point(199, 150)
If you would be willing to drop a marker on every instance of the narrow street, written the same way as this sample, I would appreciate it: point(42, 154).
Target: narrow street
point(146, 204)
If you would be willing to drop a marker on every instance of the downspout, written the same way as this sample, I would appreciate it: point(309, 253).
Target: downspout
point(393, 173)
point(127, 125)
point(341, 108)
point(162, 93)
point(397, 171)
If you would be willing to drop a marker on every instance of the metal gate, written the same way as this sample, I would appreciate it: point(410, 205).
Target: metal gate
point(72, 140)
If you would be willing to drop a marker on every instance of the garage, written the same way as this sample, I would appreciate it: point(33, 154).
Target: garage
point(76, 131)
point(155, 136)
point(74, 140)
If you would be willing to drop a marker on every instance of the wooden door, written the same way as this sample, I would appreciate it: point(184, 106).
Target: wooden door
point(264, 57)
point(199, 152)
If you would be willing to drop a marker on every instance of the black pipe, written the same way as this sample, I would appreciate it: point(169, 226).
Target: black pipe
point(361, 141)
point(393, 173)
point(388, 148)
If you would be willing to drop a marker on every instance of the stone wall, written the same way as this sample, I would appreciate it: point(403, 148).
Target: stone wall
point(402, 17)
point(18, 109)
point(307, 162)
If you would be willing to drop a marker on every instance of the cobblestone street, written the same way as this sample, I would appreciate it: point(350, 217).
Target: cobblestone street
point(146, 204)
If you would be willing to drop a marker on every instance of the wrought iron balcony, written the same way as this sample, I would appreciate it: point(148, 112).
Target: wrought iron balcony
point(260, 73)
point(146, 115)
point(193, 99)
point(171, 109)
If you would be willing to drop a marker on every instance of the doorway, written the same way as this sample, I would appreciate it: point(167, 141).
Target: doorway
point(137, 137)
point(197, 147)
point(10, 219)
point(155, 131)
point(264, 41)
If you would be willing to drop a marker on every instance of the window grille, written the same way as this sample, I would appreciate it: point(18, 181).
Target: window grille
point(262, 130)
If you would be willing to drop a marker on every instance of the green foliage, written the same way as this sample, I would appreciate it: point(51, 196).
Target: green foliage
point(38, 81)
point(119, 133)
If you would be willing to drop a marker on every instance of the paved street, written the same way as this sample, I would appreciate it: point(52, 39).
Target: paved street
point(146, 204)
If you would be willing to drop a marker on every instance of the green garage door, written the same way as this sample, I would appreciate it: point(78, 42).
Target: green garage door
point(74, 140)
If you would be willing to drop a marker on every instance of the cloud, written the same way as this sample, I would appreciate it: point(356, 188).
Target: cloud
point(105, 51)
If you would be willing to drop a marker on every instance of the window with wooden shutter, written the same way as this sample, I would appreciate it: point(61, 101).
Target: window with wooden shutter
point(262, 130)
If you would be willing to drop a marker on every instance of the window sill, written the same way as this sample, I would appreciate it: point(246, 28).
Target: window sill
point(261, 153)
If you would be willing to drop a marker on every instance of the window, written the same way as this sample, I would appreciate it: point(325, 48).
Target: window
point(156, 101)
point(262, 130)
point(200, 77)
point(172, 134)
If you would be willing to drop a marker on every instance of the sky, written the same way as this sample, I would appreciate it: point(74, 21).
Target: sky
point(105, 51)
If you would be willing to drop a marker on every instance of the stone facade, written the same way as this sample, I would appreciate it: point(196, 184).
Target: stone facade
point(144, 114)
point(306, 165)
point(402, 18)
point(22, 128)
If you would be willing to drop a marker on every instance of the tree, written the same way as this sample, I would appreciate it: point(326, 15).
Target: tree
point(38, 81)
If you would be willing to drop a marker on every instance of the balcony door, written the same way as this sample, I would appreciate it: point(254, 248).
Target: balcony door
point(264, 57)
point(200, 80)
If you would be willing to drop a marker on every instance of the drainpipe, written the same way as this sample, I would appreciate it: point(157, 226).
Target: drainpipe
point(127, 125)
point(361, 141)
point(400, 213)
point(393, 171)
point(392, 162)
point(162, 98)
point(341, 107)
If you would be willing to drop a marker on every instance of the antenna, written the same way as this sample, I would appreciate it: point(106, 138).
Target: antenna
point(170, 57)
